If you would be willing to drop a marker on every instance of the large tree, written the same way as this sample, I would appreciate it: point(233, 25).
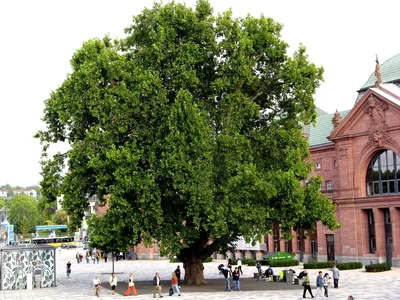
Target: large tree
point(190, 130)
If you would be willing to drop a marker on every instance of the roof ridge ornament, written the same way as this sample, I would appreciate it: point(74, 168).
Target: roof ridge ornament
point(336, 119)
point(377, 72)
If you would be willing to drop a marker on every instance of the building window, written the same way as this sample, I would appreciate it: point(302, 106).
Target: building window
point(371, 231)
point(335, 164)
point(318, 166)
point(387, 216)
point(383, 175)
point(329, 185)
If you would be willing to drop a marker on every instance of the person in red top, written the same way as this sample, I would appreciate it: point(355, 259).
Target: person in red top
point(174, 284)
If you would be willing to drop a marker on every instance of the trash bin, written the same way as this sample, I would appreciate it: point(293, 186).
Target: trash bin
point(289, 276)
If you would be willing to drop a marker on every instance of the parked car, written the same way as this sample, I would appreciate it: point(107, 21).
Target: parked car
point(277, 256)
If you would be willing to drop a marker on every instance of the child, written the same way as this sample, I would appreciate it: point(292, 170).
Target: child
point(325, 282)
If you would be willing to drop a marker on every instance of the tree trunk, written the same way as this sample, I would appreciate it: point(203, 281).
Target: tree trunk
point(194, 272)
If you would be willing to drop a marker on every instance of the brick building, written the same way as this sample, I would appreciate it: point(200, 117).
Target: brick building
point(357, 152)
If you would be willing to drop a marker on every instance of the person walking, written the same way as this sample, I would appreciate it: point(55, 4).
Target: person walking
point(320, 284)
point(97, 284)
point(335, 275)
point(77, 257)
point(131, 286)
point(230, 267)
point(174, 284)
point(178, 275)
point(306, 285)
point(239, 264)
point(105, 256)
point(157, 285)
point(236, 279)
point(225, 271)
point(259, 271)
point(68, 269)
point(113, 282)
point(325, 283)
point(87, 256)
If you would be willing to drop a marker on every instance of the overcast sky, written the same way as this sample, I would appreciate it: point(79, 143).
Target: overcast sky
point(39, 38)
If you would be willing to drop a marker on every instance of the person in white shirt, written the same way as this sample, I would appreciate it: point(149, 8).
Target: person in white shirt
point(239, 264)
point(97, 283)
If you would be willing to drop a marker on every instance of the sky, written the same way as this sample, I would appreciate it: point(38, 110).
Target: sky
point(39, 38)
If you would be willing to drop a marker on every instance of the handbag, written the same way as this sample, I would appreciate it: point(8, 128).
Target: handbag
point(171, 291)
point(304, 283)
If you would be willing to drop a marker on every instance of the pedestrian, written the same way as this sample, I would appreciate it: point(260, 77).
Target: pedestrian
point(236, 279)
point(225, 272)
point(325, 283)
point(350, 297)
point(258, 266)
point(178, 275)
point(77, 257)
point(113, 282)
point(87, 256)
point(306, 284)
point(157, 285)
point(105, 257)
point(68, 269)
point(230, 267)
point(335, 275)
point(97, 284)
point(131, 286)
point(97, 257)
point(59, 250)
point(94, 258)
point(239, 264)
point(320, 284)
point(174, 284)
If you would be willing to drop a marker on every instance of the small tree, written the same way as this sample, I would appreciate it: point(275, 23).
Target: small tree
point(23, 213)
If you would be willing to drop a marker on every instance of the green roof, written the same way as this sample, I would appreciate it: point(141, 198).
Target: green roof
point(390, 71)
point(318, 134)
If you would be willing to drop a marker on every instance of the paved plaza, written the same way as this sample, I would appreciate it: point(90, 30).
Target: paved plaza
point(361, 285)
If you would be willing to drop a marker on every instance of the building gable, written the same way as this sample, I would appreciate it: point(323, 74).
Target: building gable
point(374, 114)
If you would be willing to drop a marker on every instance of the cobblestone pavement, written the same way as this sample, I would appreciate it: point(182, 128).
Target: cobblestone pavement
point(361, 285)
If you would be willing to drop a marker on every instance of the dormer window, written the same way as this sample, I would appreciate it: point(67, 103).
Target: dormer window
point(318, 166)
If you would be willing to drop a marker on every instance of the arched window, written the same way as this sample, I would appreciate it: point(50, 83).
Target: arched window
point(383, 175)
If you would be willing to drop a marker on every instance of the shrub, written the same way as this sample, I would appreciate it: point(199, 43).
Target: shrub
point(284, 263)
point(329, 265)
point(349, 266)
point(319, 265)
point(251, 262)
point(378, 267)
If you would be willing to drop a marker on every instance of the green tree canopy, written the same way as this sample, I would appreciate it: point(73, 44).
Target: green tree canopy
point(23, 213)
point(191, 127)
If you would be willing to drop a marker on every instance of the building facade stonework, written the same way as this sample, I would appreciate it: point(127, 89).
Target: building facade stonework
point(360, 166)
